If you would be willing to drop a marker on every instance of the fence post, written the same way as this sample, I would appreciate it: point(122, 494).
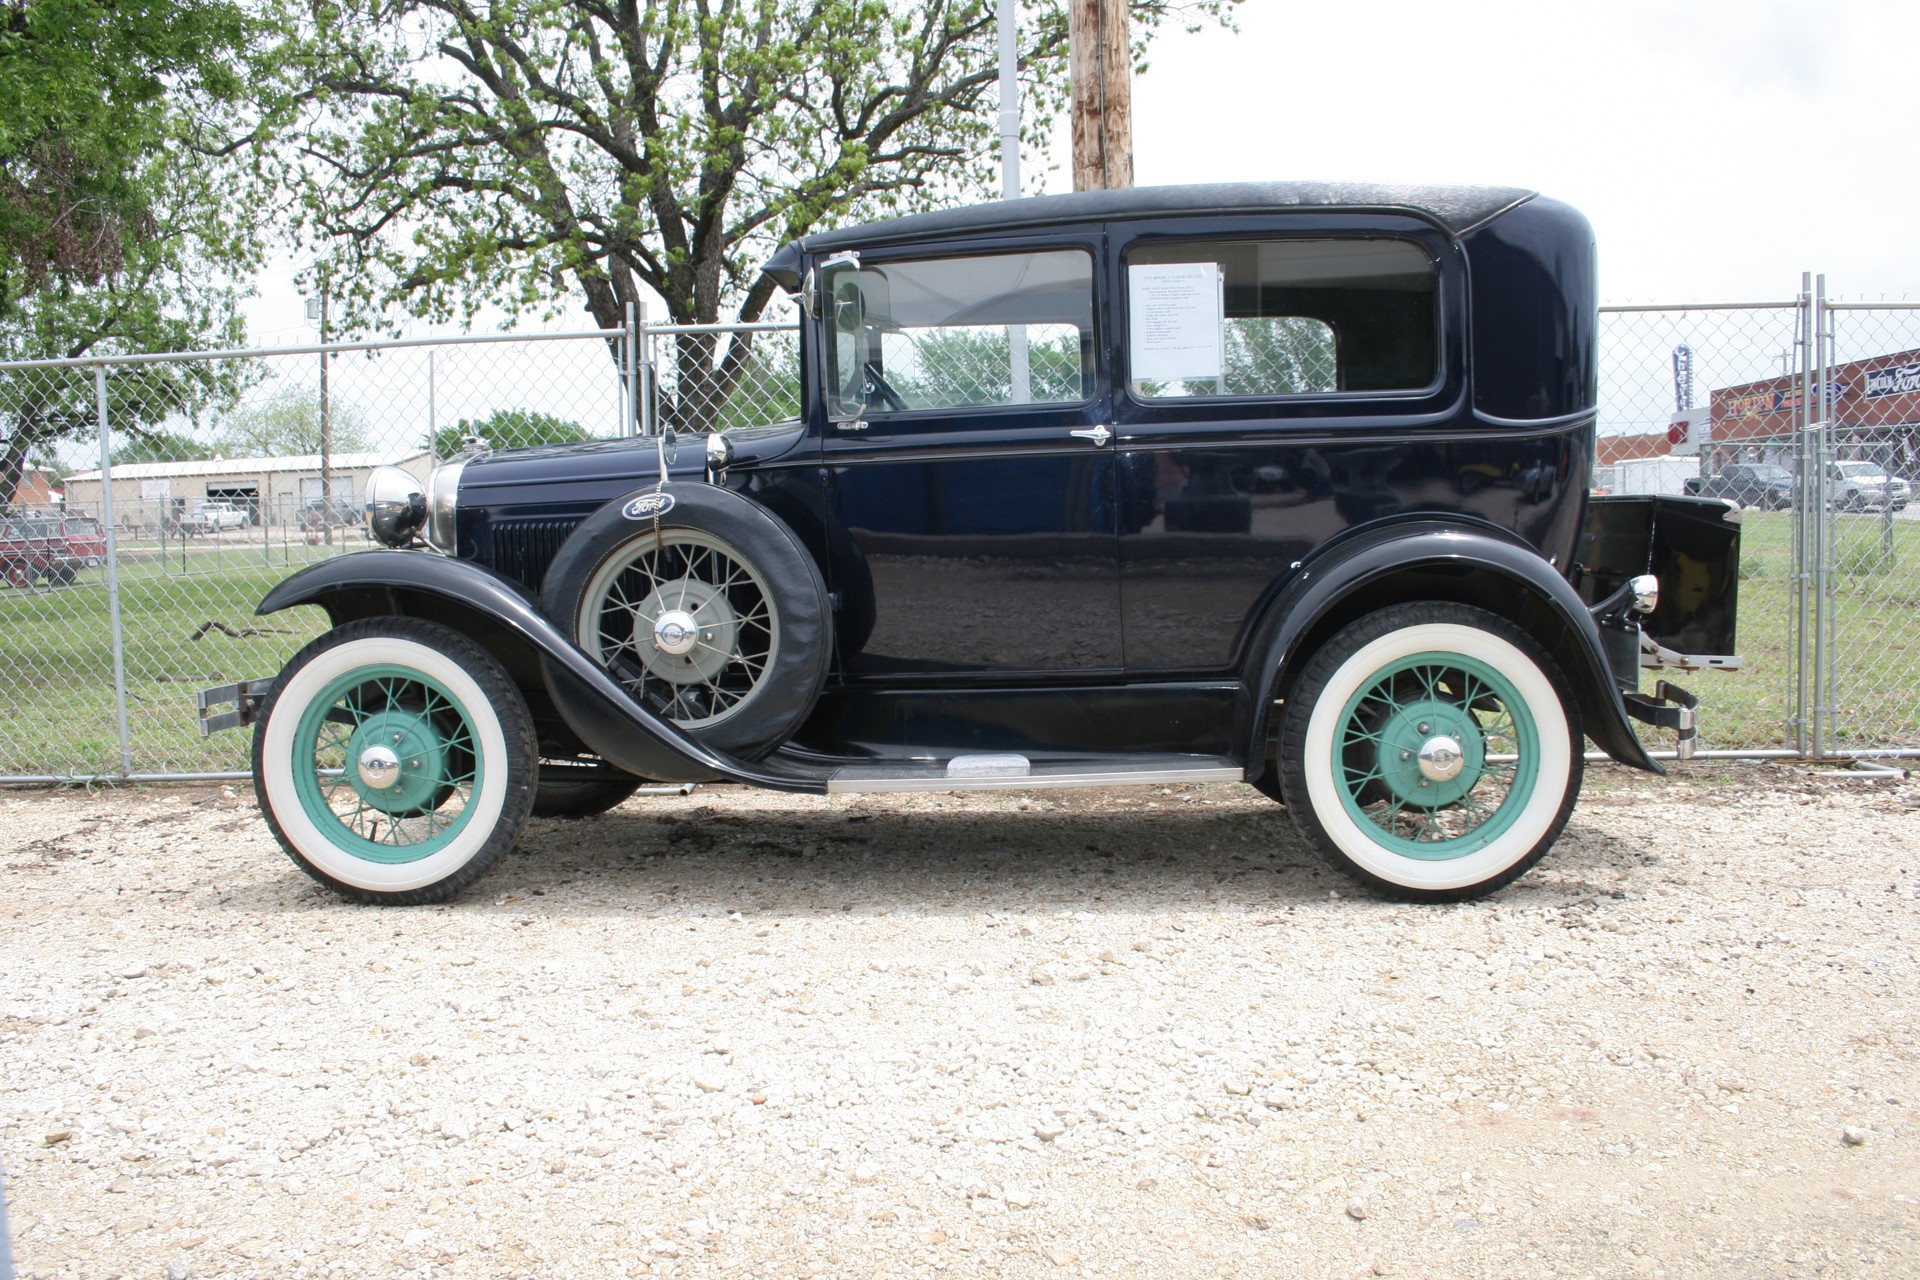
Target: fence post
point(113, 571)
point(1827, 742)
point(642, 375)
point(1799, 672)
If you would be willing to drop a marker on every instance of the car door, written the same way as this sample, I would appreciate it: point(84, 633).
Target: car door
point(969, 463)
point(1278, 381)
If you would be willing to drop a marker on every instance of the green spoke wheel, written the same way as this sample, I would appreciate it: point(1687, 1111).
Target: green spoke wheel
point(394, 760)
point(1431, 751)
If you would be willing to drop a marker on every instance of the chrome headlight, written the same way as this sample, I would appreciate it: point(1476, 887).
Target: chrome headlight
point(396, 507)
point(443, 504)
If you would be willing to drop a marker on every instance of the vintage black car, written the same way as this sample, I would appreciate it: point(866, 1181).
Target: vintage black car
point(1281, 483)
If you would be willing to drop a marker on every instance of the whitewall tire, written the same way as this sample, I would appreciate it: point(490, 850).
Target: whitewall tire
point(395, 760)
point(1431, 751)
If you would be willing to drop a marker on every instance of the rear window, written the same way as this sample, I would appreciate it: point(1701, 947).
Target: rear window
point(1281, 317)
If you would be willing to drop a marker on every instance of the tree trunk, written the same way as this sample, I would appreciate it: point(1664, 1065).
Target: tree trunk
point(1102, 70)
point(13, 458)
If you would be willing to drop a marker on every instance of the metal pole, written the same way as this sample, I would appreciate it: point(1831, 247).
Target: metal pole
point(1020, 369)
point(630, 411)
point(433, 404)
point(326, 425)
point(113, 570)
point(1805, 517)
point(1824, 713)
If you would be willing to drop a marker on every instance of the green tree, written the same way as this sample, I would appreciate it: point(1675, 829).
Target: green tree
point(768, 388)
point(286, 424)
point(522, 151)
point(975, 366)
point(161, 446)
point(509, 429)
point(118, 231)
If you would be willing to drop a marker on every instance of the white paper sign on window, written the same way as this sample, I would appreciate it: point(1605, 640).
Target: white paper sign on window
point(1176, 312)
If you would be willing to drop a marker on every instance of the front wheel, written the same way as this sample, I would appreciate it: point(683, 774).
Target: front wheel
point(1431, 751)
point(395, 760)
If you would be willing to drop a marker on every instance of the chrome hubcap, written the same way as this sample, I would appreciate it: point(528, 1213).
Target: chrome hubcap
point(1441, 759)
point(379, 768)
point(675, 632)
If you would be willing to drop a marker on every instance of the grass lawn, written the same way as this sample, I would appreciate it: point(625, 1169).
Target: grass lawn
point(56, 659)
point(189, 624)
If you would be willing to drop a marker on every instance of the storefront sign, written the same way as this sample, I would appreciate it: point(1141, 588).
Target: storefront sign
point(1779, 400)
point(1894, 380)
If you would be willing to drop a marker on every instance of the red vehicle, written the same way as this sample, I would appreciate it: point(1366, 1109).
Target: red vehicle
point(48, 548)
point(86, 544)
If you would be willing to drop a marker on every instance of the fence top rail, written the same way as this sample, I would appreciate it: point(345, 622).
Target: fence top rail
point(1903, 305)
point(758, 326)
point(1789, 305)
point(332, 348)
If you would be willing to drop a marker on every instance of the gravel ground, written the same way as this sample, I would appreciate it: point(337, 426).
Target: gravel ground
point(1116, 1034)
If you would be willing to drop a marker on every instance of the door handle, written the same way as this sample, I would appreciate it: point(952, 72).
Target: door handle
point(858, 424)
point(1099, 435)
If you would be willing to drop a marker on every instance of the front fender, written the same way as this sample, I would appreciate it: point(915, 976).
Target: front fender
point(456, 593)
point(1437, 560)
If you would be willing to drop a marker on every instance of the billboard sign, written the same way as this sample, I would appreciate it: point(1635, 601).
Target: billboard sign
point(1894, 380)
point(1688, 430)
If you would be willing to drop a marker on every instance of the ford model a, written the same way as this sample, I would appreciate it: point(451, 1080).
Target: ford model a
point(1276, 483)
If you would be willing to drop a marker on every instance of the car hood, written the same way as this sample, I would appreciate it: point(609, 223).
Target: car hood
point(628, 462)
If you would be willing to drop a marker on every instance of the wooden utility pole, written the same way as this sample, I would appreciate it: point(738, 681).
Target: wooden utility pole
point(1102, 71)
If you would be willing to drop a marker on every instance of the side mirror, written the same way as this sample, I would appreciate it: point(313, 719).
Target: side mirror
point(849, 306)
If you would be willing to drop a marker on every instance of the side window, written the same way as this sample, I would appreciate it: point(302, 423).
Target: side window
point(1281, 317)
point(947, 333)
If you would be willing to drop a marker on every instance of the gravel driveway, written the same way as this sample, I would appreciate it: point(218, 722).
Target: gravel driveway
point(1117, 1034)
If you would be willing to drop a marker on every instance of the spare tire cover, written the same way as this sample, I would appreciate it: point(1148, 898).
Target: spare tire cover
point(704, 606)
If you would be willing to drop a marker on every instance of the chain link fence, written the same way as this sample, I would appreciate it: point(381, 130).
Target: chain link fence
point(1811, 407)
point(1655, 363)
point(193, 484)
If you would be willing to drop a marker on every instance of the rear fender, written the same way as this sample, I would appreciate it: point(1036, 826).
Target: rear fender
point(1434, 560)
point(498, 615)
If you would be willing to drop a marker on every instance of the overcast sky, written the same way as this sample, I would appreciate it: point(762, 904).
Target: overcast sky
point(1720, 147)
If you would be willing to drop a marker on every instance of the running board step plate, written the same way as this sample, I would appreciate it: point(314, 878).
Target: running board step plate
point(1006, 772)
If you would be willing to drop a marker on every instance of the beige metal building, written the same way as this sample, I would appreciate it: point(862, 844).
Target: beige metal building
point(146, 495)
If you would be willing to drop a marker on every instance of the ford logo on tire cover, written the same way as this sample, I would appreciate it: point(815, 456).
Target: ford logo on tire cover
point(647, 506)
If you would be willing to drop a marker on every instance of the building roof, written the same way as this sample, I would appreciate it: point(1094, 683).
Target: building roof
point(252, 466)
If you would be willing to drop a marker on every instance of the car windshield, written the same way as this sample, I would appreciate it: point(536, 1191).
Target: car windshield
point(1768, 475)
point(1859, 469)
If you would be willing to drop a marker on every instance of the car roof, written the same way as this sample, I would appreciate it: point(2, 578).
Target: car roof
point(1454, 209)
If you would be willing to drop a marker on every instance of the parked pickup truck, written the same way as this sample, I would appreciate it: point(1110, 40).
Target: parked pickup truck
point(212, 516)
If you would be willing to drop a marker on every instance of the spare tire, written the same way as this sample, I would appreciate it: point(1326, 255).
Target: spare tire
point(707, 608)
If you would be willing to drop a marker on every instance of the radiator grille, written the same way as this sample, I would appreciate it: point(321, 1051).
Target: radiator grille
point(522, 549)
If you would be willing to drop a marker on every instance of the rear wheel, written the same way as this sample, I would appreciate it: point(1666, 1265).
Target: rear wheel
point(1431, 751)
point(394, 760)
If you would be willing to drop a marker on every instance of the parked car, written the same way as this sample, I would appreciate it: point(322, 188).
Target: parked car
point(31, 550)
point(1771, 488)
point(317, 514)
point(211, 516)
point(1865, 486)
point(49, 548)
point(1289, 488)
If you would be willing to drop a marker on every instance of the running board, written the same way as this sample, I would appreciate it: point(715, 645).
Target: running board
point(1007, 772)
